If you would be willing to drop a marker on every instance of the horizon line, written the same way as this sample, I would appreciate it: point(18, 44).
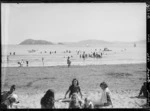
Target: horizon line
point(55, 43)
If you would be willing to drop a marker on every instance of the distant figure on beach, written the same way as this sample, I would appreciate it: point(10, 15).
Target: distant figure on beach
point(134, 44)
point(43, 60)
point(74, 88)
point(7, 60)
point(22, 62)
point(27, 62)
point(10, 53)
point(14, 53)
point(83, 56)
point(68, 62)
point(143, 90)
point(47, 100)
point(105, 100)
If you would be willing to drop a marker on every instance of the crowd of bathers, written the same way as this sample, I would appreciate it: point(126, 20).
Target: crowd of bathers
point(75, 97)
point(96, 53)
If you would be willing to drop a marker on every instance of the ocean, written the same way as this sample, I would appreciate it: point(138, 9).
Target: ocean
point(119, 54)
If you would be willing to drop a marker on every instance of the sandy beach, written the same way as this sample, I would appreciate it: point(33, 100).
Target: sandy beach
point(124, 81)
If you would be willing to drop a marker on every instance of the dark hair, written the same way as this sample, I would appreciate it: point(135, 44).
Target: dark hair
point(48, 99)
point(49, 93)
point(13, 87)
point(145, 83)
point(75, 80)
point(104, 84)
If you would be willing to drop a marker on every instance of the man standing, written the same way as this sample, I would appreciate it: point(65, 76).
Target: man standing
point(68, 62)
point(7, 60)
point(43, 60)
point(27, 62)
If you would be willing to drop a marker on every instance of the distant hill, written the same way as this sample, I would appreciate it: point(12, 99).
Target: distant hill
point(82, 43)
point(35, 42)
point(94, 42)
point(141, 42)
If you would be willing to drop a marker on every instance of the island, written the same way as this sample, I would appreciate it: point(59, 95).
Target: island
point(35, 42)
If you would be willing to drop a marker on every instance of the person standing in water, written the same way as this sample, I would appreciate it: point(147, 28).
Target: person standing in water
point(68, 62)
point(43, 60)
point(27, 62)
point(21, 63)
point(7, 60)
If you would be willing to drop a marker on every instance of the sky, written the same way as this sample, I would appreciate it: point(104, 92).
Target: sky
point(73, 22)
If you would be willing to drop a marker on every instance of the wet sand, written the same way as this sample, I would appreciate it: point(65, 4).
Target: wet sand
point(124, 81)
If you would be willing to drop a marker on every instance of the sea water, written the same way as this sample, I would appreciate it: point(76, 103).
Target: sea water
point(119, 54)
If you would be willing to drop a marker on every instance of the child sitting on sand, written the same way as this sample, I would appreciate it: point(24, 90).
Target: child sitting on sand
point(75, 102)
point(105, 100)
point(48, 100)
point(88, 104)
point(74, 88)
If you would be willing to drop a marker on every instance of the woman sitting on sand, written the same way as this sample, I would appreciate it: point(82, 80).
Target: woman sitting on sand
point(74, 88)
point(105, 100)
point(48, 100)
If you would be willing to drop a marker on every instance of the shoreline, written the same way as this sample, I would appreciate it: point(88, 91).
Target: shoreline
point(81, 65)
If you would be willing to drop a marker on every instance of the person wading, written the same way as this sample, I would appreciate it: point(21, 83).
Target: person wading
point(68, 62)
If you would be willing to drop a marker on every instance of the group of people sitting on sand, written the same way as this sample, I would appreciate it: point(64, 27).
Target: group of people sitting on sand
point(76, 101)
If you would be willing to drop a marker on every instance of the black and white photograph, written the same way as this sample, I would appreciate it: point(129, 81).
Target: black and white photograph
point(73, 55)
